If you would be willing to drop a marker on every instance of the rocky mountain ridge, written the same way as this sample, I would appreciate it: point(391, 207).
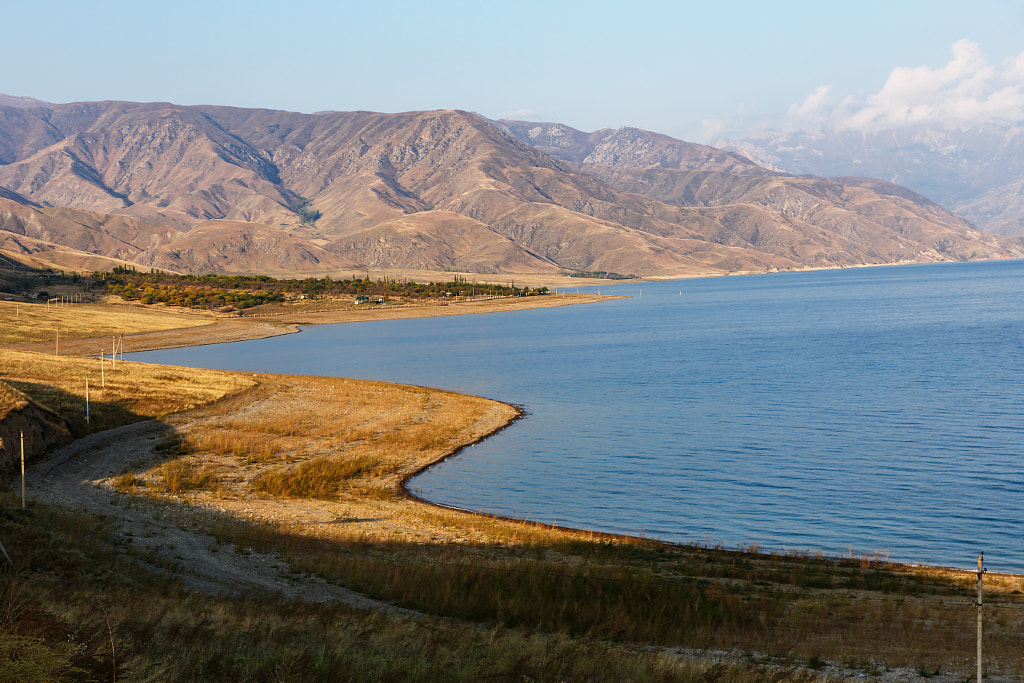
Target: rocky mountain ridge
point(222, 189)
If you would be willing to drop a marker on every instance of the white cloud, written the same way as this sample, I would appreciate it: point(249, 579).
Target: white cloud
point(813, 106)
point(967, 90)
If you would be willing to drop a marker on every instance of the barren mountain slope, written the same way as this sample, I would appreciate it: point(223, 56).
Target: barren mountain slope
point(846, 218)
point(240, 190)
point(815, 221)
point(167, 163)
point(628, 148)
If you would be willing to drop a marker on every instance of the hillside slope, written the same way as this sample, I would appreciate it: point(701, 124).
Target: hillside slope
point(206, 189)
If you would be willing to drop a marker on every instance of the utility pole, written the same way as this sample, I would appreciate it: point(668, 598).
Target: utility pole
point(981, 573)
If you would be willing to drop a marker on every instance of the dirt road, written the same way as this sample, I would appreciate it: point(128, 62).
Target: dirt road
point(166, 536)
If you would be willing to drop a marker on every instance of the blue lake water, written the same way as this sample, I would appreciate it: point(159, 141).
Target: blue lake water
point(875, 409)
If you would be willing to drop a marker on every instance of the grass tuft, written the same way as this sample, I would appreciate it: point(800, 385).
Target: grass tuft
point(181, 475)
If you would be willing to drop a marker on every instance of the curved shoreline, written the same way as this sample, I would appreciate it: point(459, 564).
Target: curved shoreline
point(200, 336)
point(521, 414)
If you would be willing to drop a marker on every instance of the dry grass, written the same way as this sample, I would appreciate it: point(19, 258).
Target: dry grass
point(83, 608)
point(38, 322)
point(132, 392)
point(10, 400)
point(302, 438)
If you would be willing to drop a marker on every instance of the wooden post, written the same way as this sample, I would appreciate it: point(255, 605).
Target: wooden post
point(22, 469)
point(113, 353)
point(86, 400)
point(103, 379)
point(981, 573)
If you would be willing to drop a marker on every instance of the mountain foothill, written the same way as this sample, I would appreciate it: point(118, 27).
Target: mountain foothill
point(205, 189)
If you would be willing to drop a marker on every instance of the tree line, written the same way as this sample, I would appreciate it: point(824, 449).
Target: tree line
point(246, 291)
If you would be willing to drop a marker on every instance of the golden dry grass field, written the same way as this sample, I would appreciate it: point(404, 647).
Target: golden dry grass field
point(41, 322)
point(119, 393)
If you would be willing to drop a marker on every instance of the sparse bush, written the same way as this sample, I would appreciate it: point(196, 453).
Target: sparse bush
point(182, 475)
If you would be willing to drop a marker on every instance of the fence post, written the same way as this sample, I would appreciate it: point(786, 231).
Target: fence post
point(22, 469)
point(981, 573)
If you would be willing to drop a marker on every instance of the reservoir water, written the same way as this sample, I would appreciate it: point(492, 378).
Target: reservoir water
point(874, 409)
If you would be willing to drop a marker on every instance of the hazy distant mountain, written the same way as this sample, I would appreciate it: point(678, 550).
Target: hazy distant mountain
point(629, 148)
point(251, 190)
point(12, 101)
point(976, 172)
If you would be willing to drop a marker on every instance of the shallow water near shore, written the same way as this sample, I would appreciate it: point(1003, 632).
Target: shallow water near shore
point(874, 409)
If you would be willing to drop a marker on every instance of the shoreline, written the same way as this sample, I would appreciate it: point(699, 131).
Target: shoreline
point(245, 328)
point(224, 329)
point(794, 552)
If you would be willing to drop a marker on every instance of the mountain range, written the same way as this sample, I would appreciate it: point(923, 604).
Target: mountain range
point(219, 189)
point(976, 171)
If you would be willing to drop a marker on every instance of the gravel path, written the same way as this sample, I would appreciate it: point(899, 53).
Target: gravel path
point(72, 478)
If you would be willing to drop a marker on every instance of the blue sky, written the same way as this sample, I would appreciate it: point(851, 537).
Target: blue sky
point(689, 69)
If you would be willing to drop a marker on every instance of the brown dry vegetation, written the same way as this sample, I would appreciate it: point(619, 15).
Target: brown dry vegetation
point(118, 622)
point(40, 322)
point(131, 392)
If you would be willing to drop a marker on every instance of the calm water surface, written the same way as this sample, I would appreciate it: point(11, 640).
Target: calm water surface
point(872, 409)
